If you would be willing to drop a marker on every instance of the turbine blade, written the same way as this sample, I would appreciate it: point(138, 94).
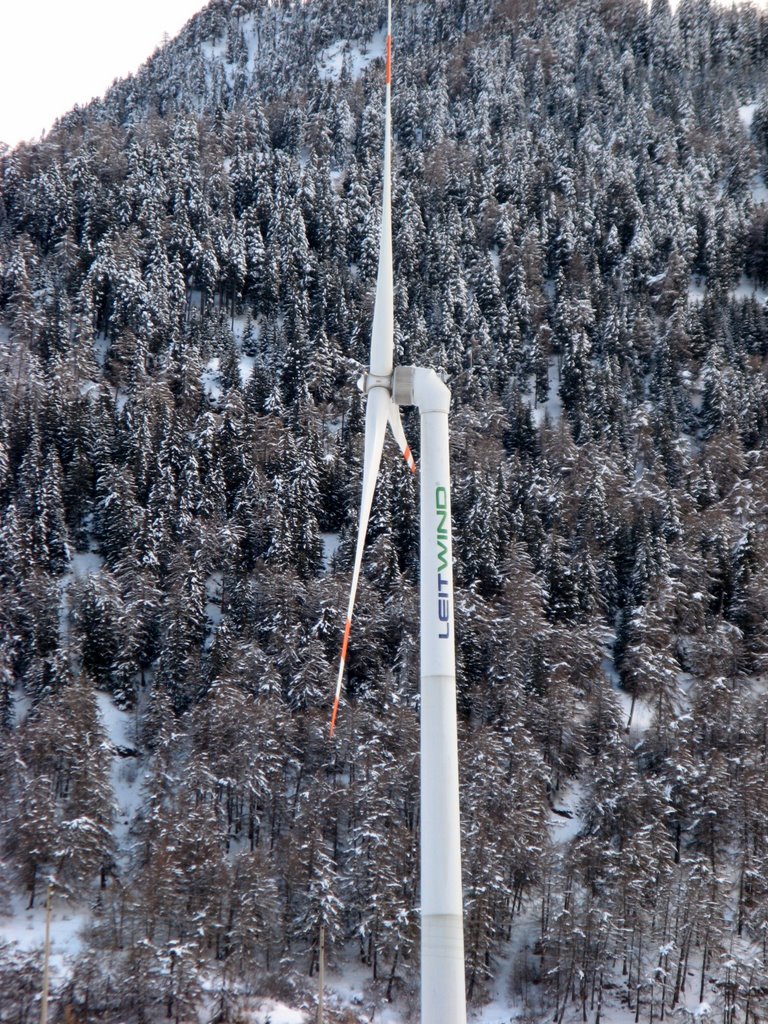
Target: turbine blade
point(376, 415)
point(383, 310)
point(398, 433)
point(377, 411)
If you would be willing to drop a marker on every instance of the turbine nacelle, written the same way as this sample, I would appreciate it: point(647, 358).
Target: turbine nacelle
point(403, 383)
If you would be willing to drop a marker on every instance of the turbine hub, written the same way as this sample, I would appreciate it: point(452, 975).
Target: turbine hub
point(368, 381)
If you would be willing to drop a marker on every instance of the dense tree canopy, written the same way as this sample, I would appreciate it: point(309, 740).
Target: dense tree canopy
point(187, 272)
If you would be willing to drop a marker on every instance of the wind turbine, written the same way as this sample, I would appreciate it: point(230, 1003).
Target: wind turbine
point(387, 388)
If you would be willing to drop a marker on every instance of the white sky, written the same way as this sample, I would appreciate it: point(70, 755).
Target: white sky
point(56, 53)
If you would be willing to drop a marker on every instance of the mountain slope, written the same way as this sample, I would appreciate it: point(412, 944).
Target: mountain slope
point(188, 270)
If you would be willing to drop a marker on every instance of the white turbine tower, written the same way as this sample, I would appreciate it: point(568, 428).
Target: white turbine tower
point(387, 388)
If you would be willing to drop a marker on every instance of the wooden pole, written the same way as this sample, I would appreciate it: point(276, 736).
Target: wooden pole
point(46, 956)
point(321, 976)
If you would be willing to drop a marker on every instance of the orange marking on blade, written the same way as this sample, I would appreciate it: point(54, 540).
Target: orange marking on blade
point(345, 641)
point(333, 716)
point(389, 60)
point(408, 456)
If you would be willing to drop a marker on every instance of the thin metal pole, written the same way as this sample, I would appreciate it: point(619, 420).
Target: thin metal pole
point(46, 956)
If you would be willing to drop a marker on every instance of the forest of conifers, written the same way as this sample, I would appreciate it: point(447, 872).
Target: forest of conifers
point(581, 243)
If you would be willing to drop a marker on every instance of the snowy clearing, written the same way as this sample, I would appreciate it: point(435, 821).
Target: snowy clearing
point(245, 366)
point(746, 289)
point(357, 56)
point(272, 1012)
point(26, 928)
point(746, 115)
point(330, 547)
point(119, 725)
point(100, 349)
point(566, 821)
point(126, 775)
point(20, 707)
point(551, 410)
point(213, 591)
point(81, 565)
point(210, 378)
point(84, 563)
point(759, 190)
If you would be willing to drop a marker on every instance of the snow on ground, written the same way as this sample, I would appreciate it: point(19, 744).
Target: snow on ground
point(351, 987)
point(697, 289)
point(694, 385)
point(85, 562)
point(642, 713)
point(121, 727)
point(26, 928)
point(550, 411)
point(240, 324)
point(746, 288)
point(506, 1004)
point(100, 349)
point(214, 49)
point(746, 115)
point(330, 547)
point(272, 1012)
point(498, 1009)
point(245, 366)
point(20, 705)
point(333, 426)
point(91, 389)
point(357, 55)
point(685, 685)
point(88, 387)
point(213, 592)
point(210, 378)
point(251, 40)
point(81, 564)
point(568, 801)
point(759, 190)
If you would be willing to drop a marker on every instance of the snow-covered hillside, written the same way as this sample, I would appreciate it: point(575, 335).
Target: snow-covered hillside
point(187, 271)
